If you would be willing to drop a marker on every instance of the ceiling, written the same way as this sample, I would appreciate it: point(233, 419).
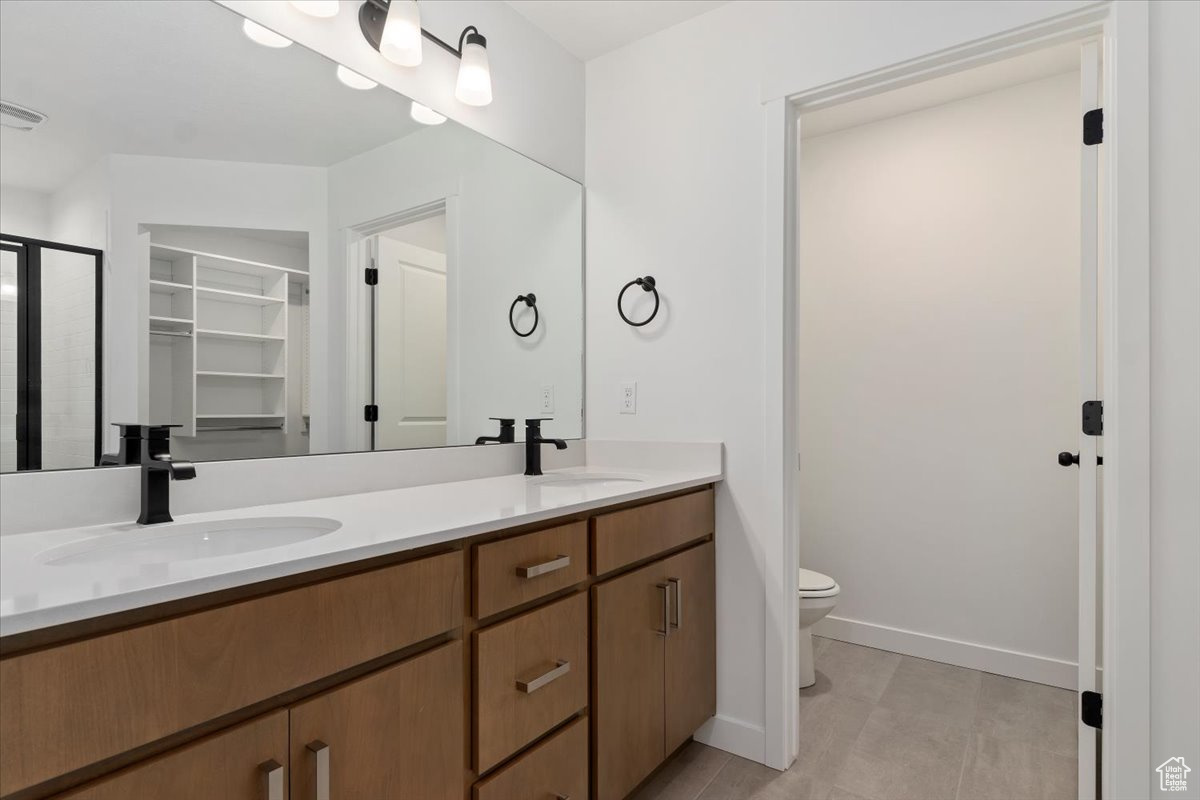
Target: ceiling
point(172, 79)
point(590, 28)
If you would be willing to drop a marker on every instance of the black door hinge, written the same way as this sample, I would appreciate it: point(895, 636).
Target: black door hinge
point(372, 276)
point(1093, 126)
point(1091, 709)
point(371, 413)
point(1093, 418)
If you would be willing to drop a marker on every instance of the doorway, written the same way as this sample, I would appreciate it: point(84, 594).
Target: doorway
point(947, 334)
point(51, 365)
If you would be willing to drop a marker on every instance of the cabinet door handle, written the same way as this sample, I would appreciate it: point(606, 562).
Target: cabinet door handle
point(272, 779)
point(321, 779)
point(678, 584)
point(533, 570)
point(531, 686)
point(666, 610)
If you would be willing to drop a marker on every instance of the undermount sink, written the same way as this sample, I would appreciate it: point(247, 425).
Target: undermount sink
point(587, 479)
point(164, 544)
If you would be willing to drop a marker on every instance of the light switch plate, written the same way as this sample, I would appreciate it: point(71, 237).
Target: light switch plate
point(629, 397)
point(547, 404)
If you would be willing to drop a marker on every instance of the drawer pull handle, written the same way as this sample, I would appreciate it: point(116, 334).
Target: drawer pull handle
point(529, 687)
point(666, 610)
point(272, 779)
point(533, 570)
point(678, 584)
point(321, 780)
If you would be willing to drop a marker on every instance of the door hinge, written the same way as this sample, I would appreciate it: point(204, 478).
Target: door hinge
point(371, 413)
point(1093, 126)
point(1091, 709)
point(1093, 418)
point(372, 276)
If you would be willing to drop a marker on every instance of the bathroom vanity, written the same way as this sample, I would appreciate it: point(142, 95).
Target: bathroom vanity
point(564, 657)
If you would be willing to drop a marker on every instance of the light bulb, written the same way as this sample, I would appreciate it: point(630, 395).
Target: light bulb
point(474, 77)
point(353, 79)
point(264, 36)
point(317, 8)
point(401, 39)
point(425, 115)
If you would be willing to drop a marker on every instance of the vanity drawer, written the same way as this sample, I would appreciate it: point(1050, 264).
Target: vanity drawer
point(531, 673)
point(68, 706)
point(628, 536)
point(523, 568)
point(558, 767)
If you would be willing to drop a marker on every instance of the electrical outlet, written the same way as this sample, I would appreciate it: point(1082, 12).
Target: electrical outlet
point(547, 399)
point(629, 397)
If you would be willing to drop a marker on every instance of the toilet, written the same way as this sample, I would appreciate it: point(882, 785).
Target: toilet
point(818, 596)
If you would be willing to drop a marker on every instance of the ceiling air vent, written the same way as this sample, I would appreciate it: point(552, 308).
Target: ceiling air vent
point(19, 117)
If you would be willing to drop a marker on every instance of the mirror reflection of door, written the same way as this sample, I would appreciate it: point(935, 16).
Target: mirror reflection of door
point(410, 335)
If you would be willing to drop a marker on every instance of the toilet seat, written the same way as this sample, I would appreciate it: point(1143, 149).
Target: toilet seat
point(814, 584)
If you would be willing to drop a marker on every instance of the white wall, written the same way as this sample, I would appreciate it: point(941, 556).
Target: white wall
point(513, 228)
point(1175, 387)
point(537, 85)
point(24, 212)
point(939, 375)
point(674, 173)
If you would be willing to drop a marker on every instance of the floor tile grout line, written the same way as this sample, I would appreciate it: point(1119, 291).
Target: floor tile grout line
point(962, 769)
point(709, 782)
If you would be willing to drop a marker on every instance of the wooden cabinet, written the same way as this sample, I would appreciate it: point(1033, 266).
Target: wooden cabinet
point(654, 647)
point(242, 763)
point(531, 673)
point(634, 534)
point(555, 768)
point(395, 733)
point(522, 568)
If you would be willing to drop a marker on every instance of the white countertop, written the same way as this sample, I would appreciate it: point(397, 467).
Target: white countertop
point(34, 594)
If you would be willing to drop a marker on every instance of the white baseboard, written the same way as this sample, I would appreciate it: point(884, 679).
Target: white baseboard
point(734, 736)
point(1026, 666)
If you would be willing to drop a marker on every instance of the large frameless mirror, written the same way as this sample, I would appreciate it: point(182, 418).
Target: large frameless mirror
point(262, 248)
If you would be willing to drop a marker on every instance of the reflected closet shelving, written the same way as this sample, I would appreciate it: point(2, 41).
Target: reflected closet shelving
point(218, 330)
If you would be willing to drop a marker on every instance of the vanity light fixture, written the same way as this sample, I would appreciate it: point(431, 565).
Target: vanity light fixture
point(353, 79)
point(394, 29)
point(425, 115)
point(317, 8)
point(264, 36)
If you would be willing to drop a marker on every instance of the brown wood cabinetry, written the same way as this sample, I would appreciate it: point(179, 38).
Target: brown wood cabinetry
point(531, 673)
point(246, 762)
point(654, 647)
point(394, 733)
point(558, 767)
point(497, 668)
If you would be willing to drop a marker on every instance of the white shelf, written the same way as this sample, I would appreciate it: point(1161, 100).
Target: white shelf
point(259, 375)
point(225, 295)
point(168, 287)
point(237, 337)
point(170, 324)
point(239, 416)
point(229, 262)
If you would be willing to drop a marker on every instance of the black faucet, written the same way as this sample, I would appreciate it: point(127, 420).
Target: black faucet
point(533, 446)
point(150, 447)
point(507, 432)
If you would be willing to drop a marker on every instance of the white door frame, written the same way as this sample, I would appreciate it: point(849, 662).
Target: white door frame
point(1124, 28)
point(358, 365)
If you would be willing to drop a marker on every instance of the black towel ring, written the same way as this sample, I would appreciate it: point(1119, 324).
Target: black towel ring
point(647, 284)
point(529, 300)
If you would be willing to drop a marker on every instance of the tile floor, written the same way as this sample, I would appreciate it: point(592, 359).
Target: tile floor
point(882, 726)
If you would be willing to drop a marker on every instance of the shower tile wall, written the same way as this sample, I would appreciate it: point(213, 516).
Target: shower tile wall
point(68, 360)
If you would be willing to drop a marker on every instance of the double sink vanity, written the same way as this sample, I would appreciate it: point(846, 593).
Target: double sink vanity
point(497, 638)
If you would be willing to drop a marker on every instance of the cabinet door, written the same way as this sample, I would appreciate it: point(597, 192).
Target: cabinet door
point(691, 666)
point(396, 733)
point(627, 650)
point(242, 763)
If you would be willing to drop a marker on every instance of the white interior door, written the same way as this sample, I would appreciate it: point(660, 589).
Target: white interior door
point(1089, 389)
point(410, 346)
